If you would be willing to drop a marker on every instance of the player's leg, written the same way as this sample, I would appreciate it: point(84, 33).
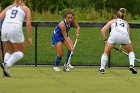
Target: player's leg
point(14, 54)
point(67, 56)
point(10, 49)
point(19, 50)
point(104, 57)
point(131, 56)
point(68, 53)
point(59, 50)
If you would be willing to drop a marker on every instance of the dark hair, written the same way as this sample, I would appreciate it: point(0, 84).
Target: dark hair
point(69, 12)
point(121, 13)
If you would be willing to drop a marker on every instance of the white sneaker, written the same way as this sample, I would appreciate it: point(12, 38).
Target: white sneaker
point(66, 68)
point(56, 69)
point(6, 70)
point(70, 66)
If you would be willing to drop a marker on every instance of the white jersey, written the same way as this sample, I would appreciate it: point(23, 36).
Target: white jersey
point(119, 26)
point(119, 33)
point(15, 15)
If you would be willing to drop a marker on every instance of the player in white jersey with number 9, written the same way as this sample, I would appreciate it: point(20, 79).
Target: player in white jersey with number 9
point(12, 34)
point(119, 35)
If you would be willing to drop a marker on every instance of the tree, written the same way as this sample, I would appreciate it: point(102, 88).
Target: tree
point(116, 4)
point(5, 3)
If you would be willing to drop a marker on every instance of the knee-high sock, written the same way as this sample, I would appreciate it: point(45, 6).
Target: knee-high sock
point(104, 59)
point(57, 61)
point(68, 55)
point(16, 56)
point(6, 56)
point(131, 58)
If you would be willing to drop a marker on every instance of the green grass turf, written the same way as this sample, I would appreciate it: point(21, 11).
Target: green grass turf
point(78, 80)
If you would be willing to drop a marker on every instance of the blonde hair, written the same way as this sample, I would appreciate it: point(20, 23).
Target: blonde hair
point(18, 2)
point(121, 13)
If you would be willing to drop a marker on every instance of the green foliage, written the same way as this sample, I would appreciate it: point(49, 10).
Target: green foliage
point(43, 5)
point(45, 16)
point(85, 10)
point(116, 4)
point(5, 3)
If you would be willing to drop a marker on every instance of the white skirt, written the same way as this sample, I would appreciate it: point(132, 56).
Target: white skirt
point(12, 32)
point(119, 38)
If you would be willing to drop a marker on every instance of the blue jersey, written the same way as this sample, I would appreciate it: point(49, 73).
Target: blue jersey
point(57, 34)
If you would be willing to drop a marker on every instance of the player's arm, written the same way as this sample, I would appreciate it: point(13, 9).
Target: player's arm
point(76, 25)
point(28, 24)
point(105, 28)
point(64, 33)
point(128, 28)
point(3, 13)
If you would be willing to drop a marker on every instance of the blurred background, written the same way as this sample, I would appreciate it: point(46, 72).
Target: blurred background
point(85, 10)
point(91, 16)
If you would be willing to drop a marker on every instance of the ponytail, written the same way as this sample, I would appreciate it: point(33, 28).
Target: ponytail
point(121, 13)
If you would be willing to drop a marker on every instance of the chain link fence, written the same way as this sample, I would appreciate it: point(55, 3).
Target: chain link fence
point(88, 50)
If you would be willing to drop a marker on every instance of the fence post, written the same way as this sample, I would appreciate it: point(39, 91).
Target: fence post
point(36, 45)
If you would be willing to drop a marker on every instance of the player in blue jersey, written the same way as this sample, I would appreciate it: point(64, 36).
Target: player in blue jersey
point(60, 37)
point(119, 34)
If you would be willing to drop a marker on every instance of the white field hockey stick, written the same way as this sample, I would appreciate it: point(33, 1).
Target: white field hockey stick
point(72, 52)
point(66, 65)
point(138, 60)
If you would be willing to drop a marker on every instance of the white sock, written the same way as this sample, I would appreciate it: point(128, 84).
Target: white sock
point(6, 56)
point(104, 59)
point(16, 56)
point(131, 58)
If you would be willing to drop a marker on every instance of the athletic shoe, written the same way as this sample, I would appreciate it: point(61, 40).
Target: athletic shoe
point(70, 66)
point(6, 70)
point(56, 69)
point(102, 71)
point(66, 68)
point(132, 69)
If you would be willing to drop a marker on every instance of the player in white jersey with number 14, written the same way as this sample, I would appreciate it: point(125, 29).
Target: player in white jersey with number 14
point(119, 35)
point(12, 34)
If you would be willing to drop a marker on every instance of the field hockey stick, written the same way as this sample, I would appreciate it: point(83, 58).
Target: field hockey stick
point(72, 52)
point(2, 50)
point(138, 60)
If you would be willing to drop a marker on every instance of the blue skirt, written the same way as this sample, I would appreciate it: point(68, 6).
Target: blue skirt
point(56, 39)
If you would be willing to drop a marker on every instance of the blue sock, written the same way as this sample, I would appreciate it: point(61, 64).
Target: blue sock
point(57, 61)
point(68, 55)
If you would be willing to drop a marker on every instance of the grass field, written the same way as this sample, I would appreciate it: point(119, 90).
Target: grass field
point(79, 80)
